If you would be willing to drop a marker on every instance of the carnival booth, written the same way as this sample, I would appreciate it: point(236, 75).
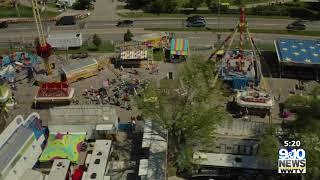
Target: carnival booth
point(154, 40)
point(131, 57)
point(179, 50)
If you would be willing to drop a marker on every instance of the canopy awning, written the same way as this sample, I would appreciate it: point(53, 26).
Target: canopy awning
point(179, 47)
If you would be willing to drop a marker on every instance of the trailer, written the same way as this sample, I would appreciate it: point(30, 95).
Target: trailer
point(54, 92)
point(80, 70)
point(65, 40)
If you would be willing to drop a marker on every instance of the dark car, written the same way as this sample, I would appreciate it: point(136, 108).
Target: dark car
point(125, 23)
point(66, 20)
point(3, 24)
point(80, 55)
point(297, 25)
point(196, 24)
point(195, 18)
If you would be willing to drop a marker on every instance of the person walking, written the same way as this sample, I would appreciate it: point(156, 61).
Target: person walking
point(133, 123)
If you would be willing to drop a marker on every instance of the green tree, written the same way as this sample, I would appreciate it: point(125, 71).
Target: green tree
point(96, 40)
point(82, 4)
point(161, 6)
point(127, 36)
point(239, 2)
point(306, 128)
point(188, 108)
point(195, 4)
point(269, 145)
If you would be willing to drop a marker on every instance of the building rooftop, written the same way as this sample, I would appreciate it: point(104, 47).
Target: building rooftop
point(82, 114)
point(11, 147)
point(297, 51)
point(31, 174)
point(155, 139)
point(78, 65)
point(64, 35)
point(59, 169)
point(228, 160)
point(99, 160)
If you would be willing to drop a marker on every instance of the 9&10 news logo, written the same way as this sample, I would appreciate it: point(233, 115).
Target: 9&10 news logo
point(292, 160)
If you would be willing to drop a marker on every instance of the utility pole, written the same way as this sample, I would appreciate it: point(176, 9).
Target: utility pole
point(218, 34)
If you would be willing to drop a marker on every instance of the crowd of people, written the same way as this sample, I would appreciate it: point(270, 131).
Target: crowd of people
point(114, 92)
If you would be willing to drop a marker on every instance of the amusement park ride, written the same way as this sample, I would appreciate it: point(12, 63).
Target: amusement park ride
point(43, 49)
point(241, 70)
point(239, 67)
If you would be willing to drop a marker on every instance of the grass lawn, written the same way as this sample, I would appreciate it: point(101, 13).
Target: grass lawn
point(158, 56)
point(266, 31)
point(181, 15)
point(232, 2)
point(105, 47)
point(25, 11)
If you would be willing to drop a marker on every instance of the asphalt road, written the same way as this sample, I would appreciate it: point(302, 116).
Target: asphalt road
point(225, 22)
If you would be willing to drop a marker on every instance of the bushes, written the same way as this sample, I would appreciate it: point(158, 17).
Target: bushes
point(303, 13)
point(275, 10)
point(82, 4)
point(161, 6)
point(154, 6)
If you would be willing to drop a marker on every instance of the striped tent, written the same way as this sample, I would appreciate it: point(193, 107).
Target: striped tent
point(179, 47)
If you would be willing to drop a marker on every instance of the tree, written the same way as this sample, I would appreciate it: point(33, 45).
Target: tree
point(268, 150)
point(188, 108)
point(82, 4)
point(16, 4)
point(127, 36)
point(195, 4)
point(214, 6)
point(239, 2)
point(306, 128)
point(96, 40)
point(161, 6)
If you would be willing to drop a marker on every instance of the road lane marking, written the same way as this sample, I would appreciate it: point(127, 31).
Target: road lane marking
point(23, 28)
point(271, 24)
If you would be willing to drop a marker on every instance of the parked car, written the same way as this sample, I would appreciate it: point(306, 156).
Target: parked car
point(195, 18)
point(80, 55)
point(297, 25)
point(3, 24)
point(125, 23)
point(196, 24)
point(66, 20)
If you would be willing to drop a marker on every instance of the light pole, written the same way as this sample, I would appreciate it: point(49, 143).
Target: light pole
point(218, 34)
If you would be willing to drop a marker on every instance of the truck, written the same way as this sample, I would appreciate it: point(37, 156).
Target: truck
point(65, 40)
point(80, 70)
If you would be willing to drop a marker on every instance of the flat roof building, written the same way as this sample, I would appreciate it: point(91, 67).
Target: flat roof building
point(229, 160)
point(31, 174)
point(59, 169)
point(90, 119)
point(20, 146)
point(154, 141)
point(99, 160)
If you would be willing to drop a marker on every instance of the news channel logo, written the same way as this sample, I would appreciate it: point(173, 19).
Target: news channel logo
point(292, 161)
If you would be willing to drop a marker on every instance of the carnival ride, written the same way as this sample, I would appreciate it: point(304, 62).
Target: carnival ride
point(6, 100)
point(16, 62)
point(254, 99)
point(20, 61)
point(62, 146)
point(43, 48)
point(238, 67)
point(54, 92)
